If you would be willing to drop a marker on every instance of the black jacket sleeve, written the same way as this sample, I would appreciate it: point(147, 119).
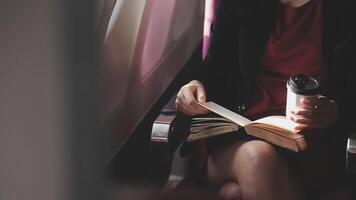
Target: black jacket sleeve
point(342, 82)
point(220, 57)
point(346, 100)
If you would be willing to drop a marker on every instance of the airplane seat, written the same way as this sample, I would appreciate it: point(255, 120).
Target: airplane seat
point(179, 178)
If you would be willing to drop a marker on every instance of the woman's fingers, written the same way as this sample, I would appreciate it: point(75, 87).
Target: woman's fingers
point(301, 120)
point(305, 121)
point(304, 112)
point(188, 97)
point(307, 127)
point(306, 115)
point(308, 104)
point(304, 124)
point(201, 94)
point(184, 109)
point(192, 104)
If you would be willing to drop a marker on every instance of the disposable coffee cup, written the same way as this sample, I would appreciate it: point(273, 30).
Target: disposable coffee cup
point(301, 87)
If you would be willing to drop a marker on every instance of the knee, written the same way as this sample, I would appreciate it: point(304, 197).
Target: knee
point(230, 190)
point(260, 156)
point(215, 179)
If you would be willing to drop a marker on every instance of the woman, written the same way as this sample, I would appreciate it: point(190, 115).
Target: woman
point(256, 46)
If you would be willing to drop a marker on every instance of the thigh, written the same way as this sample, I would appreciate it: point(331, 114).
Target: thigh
point(220, 160)
point(231, 158)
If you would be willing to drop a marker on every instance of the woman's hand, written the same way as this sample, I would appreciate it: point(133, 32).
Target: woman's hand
point(315, 115)
point(189, 96)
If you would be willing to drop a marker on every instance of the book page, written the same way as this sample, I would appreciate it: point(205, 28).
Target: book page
point(228, 114)
point(279, 122)
point(211, 132)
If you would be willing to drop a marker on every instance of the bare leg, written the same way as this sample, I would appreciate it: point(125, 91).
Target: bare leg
point(260, 172)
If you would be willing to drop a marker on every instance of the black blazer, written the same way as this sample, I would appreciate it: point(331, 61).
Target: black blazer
point(239, 37)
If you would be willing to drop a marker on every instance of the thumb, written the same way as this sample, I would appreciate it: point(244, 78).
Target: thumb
point(201, 94)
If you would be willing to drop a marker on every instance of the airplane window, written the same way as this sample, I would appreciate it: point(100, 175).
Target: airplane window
point(114, 16)
point(119, 50)
point(160, 15)
point(183, 19)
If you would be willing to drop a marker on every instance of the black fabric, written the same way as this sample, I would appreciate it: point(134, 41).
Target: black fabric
point(239, 38)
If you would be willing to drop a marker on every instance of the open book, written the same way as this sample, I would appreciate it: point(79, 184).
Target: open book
point(277, 130)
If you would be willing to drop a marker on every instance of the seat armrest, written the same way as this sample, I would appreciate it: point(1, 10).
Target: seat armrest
point(351, 154)
point(162, 127)
point(170, 128)
point(169, 131)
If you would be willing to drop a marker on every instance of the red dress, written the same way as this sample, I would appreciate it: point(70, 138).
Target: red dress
point(294, 47)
